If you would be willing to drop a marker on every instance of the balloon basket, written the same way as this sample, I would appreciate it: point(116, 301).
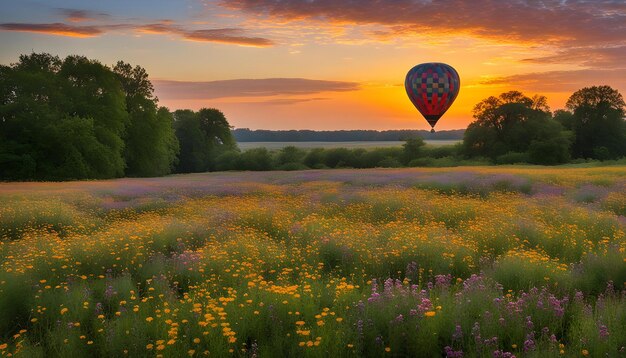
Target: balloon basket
point(432, 130)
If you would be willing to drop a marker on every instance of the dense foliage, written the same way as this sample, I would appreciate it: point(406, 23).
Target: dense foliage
point(203, 136)
point(596, 116)
point(151, 146)
point(472, 262)
point(513, 124)
point(76, 118)
point(514, 128)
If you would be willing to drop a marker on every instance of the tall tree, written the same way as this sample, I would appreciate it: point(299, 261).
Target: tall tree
point(202, 135)
point(28, 90)
point(60, 119)
point(93, 91)
point(596, 116)
point(151, 144)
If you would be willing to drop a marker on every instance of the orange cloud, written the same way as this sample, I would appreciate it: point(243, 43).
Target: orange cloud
point(228, 36)
point(59, 29)
point(248, 88)
point(75, 15)
point(554, 21)
point(563, 81)
point(596, 57)
point(234, 36)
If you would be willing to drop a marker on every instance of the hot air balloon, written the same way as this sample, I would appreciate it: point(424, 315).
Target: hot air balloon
point(432, 87)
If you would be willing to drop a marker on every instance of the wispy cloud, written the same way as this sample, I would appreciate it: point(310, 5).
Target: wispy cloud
point(78, 15)
point(523, 20)
point(58, 29)
point(227, 35)
point(593, 57)
point(283, 101)
point(223, 35)
point(174, 90)
point(562, 81)
point(101, 23)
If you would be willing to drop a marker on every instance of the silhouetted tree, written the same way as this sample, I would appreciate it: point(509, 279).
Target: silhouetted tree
point(515, 123)
point(596, 116)
point(412, 149)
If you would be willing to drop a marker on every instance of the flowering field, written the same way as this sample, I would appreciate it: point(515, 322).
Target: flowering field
point(501, 262)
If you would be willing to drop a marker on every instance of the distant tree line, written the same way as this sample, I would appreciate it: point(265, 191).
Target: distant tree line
point(260, 135)
point(76, 118)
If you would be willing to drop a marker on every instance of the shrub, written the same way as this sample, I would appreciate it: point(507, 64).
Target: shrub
point(255, 159)
point(512, 158)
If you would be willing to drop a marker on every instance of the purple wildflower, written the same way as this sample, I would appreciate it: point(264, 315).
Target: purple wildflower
point(451, 353)
point(603, 331)
point(458, 333)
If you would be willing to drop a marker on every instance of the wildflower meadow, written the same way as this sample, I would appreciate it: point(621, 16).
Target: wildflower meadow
point(452, 262)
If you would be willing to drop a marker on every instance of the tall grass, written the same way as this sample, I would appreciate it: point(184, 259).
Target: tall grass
point(399, 262)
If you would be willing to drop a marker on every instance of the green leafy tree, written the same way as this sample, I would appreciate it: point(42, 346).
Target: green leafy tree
point(596, 117)
point(202, 136)
point(315, 158)
point(28, 91)
point(151, 143)
point(256, 159)
point(60, 119)
point(93, 91)
point(290, 155)
point(412, 148)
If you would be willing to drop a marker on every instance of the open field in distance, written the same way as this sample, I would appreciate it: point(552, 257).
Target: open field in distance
point(363, 144)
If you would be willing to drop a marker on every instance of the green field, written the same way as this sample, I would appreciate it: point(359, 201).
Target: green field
point(472, 262)
point(355, 144)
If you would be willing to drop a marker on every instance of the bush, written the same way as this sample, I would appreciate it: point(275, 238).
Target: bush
point(512, 158)
point(441, 151)
point(549, 151)
point(381, 157)
point(339, 157)
point(228, 160)
point(290, 154)
point(412, 149)
point(255, 159)
point(315, 158)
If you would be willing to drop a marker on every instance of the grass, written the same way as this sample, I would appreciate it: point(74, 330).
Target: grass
point(351, 144)
point(478, 261)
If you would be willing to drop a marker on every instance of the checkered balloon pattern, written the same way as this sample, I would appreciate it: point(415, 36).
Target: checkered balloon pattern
point(432, 87)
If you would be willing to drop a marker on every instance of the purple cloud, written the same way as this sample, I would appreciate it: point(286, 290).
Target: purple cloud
point(234, 36)
point(563, 81)
point(76, 15)
point(553, 21)
point(248, 88)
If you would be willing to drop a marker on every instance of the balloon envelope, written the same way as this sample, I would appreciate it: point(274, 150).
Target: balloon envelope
point(432, 87)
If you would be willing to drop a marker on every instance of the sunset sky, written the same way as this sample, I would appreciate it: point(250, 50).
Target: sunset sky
point(331, 64)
